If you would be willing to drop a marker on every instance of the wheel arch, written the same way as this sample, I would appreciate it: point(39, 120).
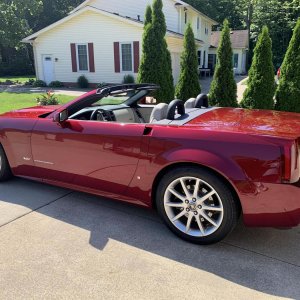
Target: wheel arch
point(173, 166)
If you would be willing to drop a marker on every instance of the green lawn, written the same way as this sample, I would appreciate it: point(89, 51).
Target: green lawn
point(21, 79)
point(12, 101)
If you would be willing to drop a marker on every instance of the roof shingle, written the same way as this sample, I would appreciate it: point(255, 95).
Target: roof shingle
point(239, 39)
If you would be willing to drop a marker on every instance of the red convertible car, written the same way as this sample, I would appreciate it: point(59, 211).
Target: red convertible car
point(200, 167)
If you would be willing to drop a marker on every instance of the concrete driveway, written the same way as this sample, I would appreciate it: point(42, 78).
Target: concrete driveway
point(59, 244)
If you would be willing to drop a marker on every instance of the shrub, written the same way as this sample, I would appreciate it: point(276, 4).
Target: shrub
point(47, 99)
point(188, 85)
point(39, 83)
point(6, 82)
point(83, 82)
point(261, 84)
point(128, 79)
point(30, 82)
point(102, 84)
point(288, 92)
point(56, 84)
point(223, 90)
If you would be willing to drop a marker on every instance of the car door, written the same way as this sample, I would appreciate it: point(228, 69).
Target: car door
point(92, 154)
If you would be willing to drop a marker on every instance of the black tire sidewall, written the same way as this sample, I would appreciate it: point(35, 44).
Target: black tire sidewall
point(230, 206)
point(5, 172)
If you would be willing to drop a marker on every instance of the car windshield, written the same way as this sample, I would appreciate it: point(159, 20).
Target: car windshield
point(116, 98)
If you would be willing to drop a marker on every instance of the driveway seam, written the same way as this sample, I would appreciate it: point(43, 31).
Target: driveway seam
point(36, 209)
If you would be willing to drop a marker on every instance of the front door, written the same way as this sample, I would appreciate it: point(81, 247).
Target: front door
point(48, 68)
point(92, 154)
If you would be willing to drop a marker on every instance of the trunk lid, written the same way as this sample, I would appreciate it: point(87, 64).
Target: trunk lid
point(254, 122)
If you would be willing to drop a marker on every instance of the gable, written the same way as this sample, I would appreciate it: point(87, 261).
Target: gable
point(90, 24)
point(135, 9)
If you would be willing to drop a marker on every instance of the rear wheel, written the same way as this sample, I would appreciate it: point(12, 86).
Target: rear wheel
point(196, 205)
point(5, 172)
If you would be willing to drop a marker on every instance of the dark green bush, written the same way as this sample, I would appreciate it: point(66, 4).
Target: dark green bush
point(128, 79)
point(39, 83)
point(56, 84)
point(101, 85)
point(30, 82)
point(82, 82)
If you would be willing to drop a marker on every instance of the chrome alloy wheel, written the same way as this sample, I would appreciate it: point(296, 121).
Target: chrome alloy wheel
point(193, 206)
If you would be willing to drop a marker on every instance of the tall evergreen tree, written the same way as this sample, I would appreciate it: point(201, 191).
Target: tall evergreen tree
point(188, 85)
point(148, 15)
point(288, 91)
point(261, 84)
point(223, 90)
point(145, 73)
point(156, 64)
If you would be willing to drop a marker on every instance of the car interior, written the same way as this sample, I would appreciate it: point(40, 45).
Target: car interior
point(128, 104)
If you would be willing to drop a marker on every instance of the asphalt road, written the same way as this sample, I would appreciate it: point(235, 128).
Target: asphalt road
point(59, 244)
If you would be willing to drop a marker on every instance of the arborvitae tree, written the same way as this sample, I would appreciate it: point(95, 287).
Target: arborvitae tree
point(156, 64)
point(288, 91)
point(146, 71)
point(148, 15)
point(261, 84)
point(223, 90)
point(188, 85)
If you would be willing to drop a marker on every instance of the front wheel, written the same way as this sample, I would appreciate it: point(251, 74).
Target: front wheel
point(5, 172)
point(196, 205)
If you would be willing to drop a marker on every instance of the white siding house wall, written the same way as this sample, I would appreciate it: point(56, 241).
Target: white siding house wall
point(175, 16)
point(88, 27)
point(102, 31)
point(94, 22)
point(242, 62)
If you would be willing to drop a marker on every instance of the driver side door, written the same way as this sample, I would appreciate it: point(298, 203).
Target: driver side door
point(95, 155)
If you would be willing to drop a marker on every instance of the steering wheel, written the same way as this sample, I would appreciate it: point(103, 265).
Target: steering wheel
point(97, 113)
point(173, 106)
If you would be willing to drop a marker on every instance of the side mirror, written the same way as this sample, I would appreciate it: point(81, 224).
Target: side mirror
point(61, 116)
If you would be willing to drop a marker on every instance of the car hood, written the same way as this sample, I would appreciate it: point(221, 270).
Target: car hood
point(256, 122)
point(31, 112)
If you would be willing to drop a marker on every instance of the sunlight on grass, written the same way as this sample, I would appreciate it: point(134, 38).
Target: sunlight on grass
point(12, 101)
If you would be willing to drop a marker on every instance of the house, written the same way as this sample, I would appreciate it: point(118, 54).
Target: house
point(240, 47)
point(102, 40)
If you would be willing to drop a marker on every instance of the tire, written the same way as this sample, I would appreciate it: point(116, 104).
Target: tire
point(5, 172)
point(213, 205)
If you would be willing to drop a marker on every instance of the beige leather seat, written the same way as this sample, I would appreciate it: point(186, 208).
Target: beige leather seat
point(159, 112)
point(191, 103)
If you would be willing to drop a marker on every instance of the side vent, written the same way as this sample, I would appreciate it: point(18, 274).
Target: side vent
point(147, 131)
